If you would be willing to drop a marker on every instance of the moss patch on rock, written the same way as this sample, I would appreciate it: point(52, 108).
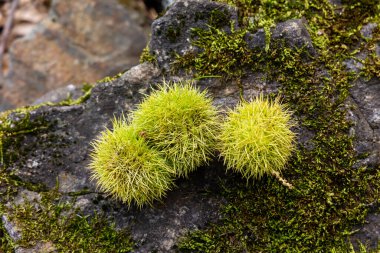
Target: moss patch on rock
point(330, 194)
point(57, 222)
point(147, 56)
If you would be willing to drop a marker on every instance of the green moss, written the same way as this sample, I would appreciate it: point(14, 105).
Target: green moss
point(67, 229)
point(6, 243)
point(372, 61)
point(349, 248)
point(219, 18)
point(222, 53)
point(147, 56)
point(12, 131)
point(330, 196)
point(80, 233)
point(86, 89)
point(108, 79)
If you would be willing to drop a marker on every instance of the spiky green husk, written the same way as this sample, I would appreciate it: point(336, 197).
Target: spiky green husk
point(256, 138)
point(126, 168)
point(180, 121)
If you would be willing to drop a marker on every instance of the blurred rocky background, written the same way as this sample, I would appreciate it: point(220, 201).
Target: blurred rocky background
point(60, 44)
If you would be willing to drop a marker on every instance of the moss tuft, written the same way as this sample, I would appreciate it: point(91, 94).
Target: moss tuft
point(219, 18)
point(146, 56)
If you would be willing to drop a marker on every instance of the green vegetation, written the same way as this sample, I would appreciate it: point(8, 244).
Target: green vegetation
point(223, 53)
point(125, 167)
point(181, 122)
point(330, 195)
point(12, 130)
point(57, 223)
point(146, 56)
point(256, 138)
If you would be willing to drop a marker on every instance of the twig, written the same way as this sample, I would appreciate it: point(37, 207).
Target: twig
point(5, 35)
point(282, 180)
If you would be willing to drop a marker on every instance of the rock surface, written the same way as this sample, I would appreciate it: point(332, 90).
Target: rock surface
point(171, 33)
point(61, 152)
point(366, 97)
point(291, 32)
point(80, 41)
point(59, 148)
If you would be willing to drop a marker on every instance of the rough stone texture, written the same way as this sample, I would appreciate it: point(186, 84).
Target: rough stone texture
point(354, 64)
point(58, 95)
point(369, 234)
point(293, 33)
point(62, 150)
point(368, 29)
point(171, 33)
point(366, 99)
point(12, 230)
point(40, 247)
point(80, 41)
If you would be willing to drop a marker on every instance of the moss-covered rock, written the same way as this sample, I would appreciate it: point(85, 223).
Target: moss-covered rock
point(334, 169)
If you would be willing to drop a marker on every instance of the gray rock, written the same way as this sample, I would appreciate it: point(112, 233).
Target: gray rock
point(171, 33)
point(366, 99)
point(58, 95)
point(62, 152)
point(256, 40)
point(13, 231)
point(368, 29)
point(40, 247)
point(369, 234)
point(293, 33)
point(26, 196)
point(354, 63)
point(80, 41)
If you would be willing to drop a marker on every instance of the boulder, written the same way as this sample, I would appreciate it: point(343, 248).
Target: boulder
point(80, 41)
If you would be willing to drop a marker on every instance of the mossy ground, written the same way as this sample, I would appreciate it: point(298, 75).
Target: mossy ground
point(330, 196)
